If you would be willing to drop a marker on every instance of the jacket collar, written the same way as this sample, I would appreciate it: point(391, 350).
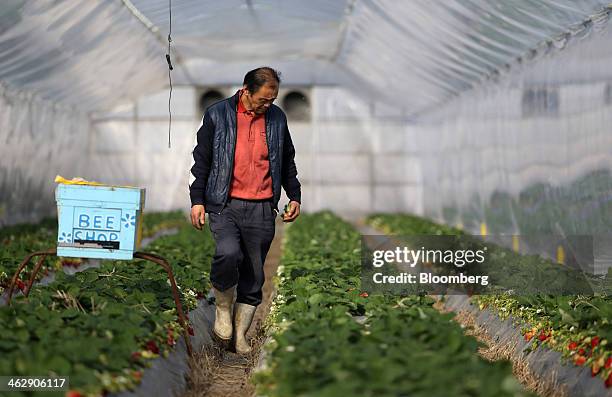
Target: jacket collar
point(234, 99)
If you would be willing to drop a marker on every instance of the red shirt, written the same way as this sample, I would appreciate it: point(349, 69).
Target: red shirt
point(251, 174)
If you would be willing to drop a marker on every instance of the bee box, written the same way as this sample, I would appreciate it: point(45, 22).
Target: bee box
point(99, 221)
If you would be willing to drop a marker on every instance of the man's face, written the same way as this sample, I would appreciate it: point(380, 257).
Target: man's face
point(262, 99)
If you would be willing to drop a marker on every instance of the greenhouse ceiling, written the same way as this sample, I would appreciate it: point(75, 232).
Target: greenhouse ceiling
point(93, 54)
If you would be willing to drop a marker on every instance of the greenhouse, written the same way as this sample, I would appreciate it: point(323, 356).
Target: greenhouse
point(239, 198)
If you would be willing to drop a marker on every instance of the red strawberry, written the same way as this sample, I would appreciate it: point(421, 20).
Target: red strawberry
point(170, 341)
point(20, 284)
point(170, 338)
point(137, 375)
point(595, 341)
point(609, 380)
point(608, 363)
point(580, 360)
point(135, 356)
point(542, 337)
point(152, 347)
point(73, 393)
point(364, 294)
point(581, 351)
point(572, 345)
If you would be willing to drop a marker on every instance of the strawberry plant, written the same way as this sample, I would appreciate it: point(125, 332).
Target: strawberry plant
point(102, 326)
point(155, 221)
point(578, 326)
point(330, 338)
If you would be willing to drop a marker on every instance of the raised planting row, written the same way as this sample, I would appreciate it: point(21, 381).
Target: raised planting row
point(578, 326)
point(331, 339)
point(17, 241)
point(102, 326)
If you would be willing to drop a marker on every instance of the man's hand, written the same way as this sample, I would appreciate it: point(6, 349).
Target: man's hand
point(293, 212)
point(198, 216)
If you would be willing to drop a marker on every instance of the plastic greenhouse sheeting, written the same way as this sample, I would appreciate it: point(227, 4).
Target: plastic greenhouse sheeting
point(529, 154)
point(478, 113)
point(86, 53)
point(235, 29)
point(426, 51)
point(59, 60)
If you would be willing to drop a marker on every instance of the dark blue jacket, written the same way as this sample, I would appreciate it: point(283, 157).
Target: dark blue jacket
point(213, 156)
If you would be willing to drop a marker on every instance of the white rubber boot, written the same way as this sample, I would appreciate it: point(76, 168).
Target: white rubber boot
point(223, 313)
point(243, 316)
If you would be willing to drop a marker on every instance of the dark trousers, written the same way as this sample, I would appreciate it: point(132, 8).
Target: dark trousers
point(243, 233)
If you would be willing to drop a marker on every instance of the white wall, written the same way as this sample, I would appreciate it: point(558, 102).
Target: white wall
point(130, 147)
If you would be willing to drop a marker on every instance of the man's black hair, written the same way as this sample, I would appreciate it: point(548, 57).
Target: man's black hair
point(257, 78)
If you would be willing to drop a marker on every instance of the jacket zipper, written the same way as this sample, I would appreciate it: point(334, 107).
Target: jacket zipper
point(234, 154)
point(231, 170)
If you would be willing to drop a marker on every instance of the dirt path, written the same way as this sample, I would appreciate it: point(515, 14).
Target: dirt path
point(218, 373)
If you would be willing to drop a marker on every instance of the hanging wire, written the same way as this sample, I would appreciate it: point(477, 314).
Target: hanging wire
point(169, 70)
point(155, 30)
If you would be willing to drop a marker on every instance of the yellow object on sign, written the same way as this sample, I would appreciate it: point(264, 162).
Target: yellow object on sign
point(75, 181)
point(81, 181)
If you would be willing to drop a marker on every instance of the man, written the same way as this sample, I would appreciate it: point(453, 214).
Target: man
point(243, 155)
